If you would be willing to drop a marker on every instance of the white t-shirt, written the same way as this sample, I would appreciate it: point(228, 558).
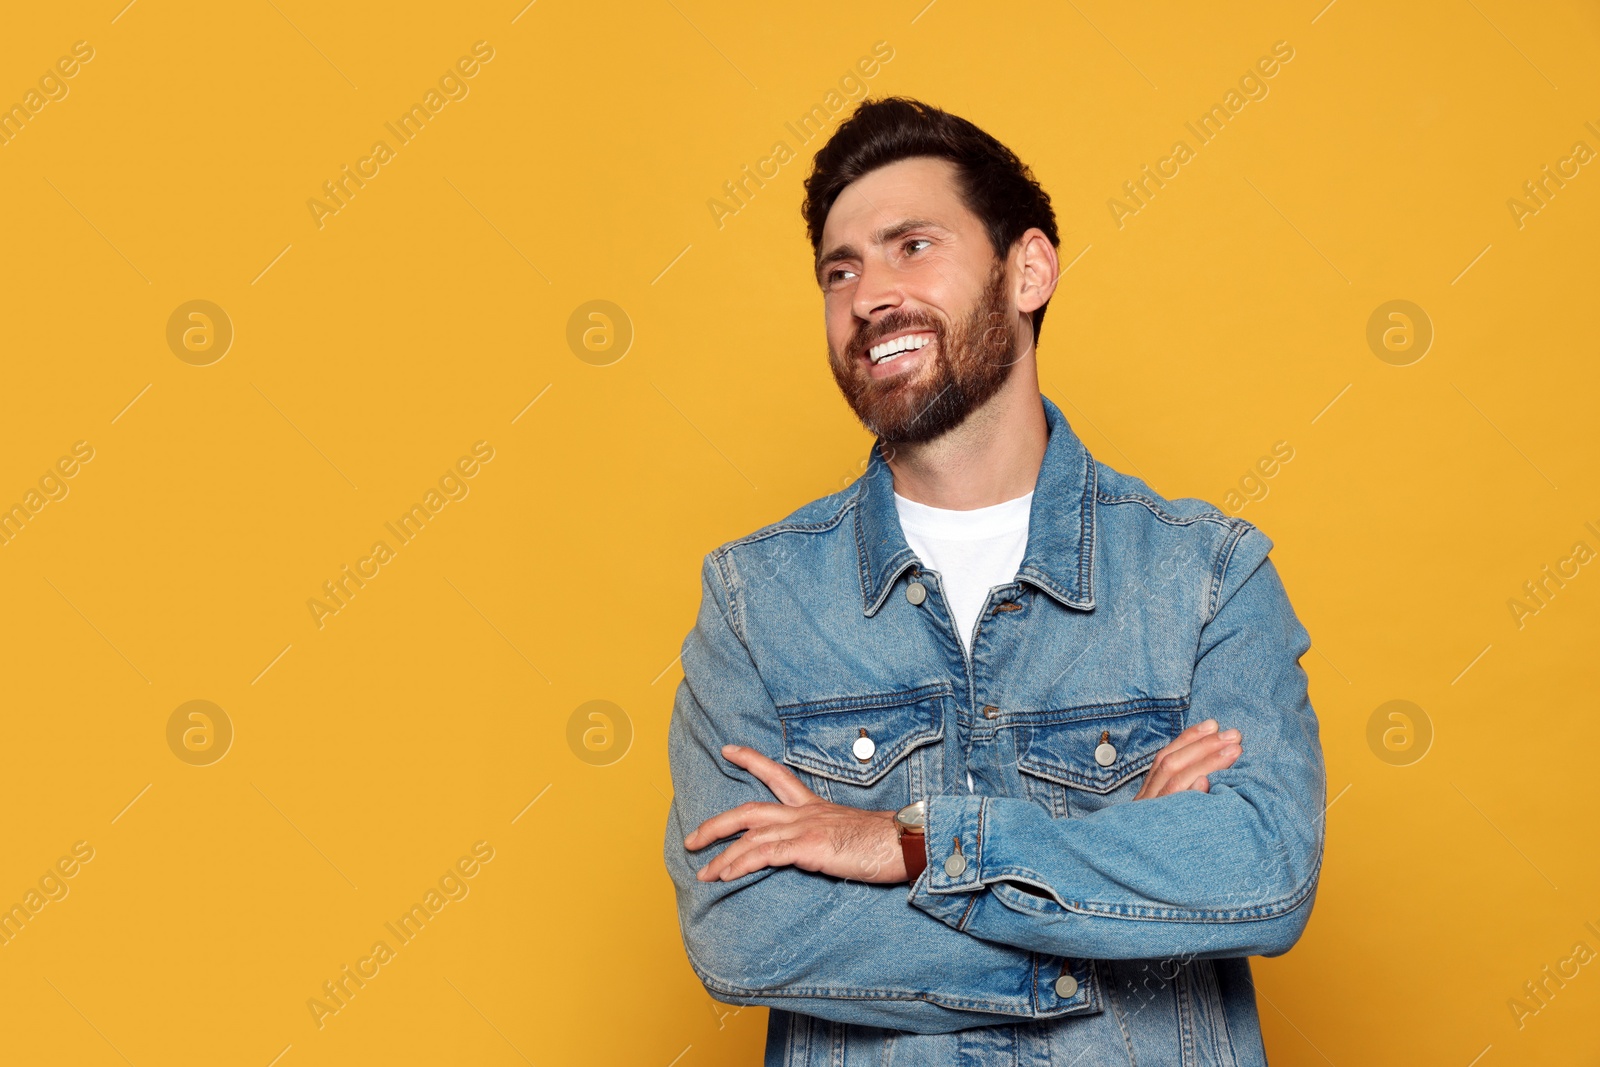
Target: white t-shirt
point(972, 552)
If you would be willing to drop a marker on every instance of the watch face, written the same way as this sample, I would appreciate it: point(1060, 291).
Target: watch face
point(913, 816)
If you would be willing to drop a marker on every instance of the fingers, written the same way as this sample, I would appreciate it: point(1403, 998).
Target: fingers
point(1185, 761)
point(750, 815)
point(1180, 760)
point(751, 852)
point(789, 790)
point(774, 775)
point(1195, 732)
point(824, 837)
point(1195, 772)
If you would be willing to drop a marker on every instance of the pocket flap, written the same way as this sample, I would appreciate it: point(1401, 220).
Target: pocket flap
point(1061, 746)
point(822, 736)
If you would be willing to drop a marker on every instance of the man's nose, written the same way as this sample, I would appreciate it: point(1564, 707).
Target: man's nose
point(877, 292)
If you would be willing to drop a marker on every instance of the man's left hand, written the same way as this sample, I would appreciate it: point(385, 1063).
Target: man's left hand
point(803, 831)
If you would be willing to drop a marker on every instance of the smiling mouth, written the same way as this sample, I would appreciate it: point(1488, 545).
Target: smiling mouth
point(892, 349)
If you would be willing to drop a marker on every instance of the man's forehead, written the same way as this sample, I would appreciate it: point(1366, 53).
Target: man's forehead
point(923, 187)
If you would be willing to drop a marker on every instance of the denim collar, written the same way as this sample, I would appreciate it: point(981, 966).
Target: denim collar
point(1060, 553)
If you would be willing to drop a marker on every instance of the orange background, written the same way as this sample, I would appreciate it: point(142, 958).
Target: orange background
point(436, 708)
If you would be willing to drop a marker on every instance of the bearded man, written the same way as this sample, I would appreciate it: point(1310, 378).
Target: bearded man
point(997, 755)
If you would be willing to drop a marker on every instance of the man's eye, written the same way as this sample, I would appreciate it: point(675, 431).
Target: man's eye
point(916, 241)
point(836, 275)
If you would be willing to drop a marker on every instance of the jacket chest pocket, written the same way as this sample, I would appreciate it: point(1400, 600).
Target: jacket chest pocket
point(872, 752)
point(1078, 760)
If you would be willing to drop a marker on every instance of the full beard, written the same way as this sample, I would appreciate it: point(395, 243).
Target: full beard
point(972, 360)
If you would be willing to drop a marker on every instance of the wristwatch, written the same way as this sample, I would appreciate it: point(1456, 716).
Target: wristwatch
point(911, 821)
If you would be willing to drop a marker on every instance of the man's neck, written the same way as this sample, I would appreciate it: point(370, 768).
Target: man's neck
point(992, 457)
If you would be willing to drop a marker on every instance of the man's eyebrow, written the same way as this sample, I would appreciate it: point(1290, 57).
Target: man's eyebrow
point(882, 236)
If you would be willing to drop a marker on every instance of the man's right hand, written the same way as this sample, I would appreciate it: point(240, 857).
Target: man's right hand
point(1188, 758)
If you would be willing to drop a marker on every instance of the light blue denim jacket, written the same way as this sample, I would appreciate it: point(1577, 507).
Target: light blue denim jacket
point(1084, 929)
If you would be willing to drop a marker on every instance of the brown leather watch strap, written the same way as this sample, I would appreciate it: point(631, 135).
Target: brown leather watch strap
point(914, 847)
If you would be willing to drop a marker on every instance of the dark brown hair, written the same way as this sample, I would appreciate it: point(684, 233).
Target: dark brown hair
point(994, 184)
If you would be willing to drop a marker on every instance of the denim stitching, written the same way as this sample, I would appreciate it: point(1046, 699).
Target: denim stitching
point(900, 747)
point(1220, 569)
point(873, 595)
point(1165, 516)
point(983, 816)
point(785, 526)
point(869, 701)
point(1036, 1008)
point(839, 773)
point(723, 565)
point(1086, 528)
point(1183, 993)
point(1116, 1010)
point(1148, 706)
point(862, 571)
point(1268, 910)
point(1222, 1044)
point(972, 900)
point(999, 1007)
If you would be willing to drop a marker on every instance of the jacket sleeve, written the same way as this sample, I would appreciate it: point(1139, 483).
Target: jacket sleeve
point(1231, 872)
point(838, 949)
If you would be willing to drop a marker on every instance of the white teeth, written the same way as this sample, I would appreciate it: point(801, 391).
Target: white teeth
point(888, 350)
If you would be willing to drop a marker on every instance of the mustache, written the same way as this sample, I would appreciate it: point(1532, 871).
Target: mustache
point(894, 322)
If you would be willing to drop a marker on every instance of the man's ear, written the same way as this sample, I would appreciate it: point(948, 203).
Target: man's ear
point(1038, 272)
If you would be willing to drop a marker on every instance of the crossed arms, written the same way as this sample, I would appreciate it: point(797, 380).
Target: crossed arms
point(809, 909)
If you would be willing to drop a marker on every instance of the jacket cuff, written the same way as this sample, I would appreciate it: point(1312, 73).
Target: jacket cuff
point(948, 890)
point(954, 840)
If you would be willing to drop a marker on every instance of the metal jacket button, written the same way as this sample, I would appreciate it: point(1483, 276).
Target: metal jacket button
point(1066, 986)
point(1105, 753)
point(955, 863)
point(864, 746)
point(916, 592)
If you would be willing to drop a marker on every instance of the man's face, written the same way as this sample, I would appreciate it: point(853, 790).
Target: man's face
point(905, 262)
